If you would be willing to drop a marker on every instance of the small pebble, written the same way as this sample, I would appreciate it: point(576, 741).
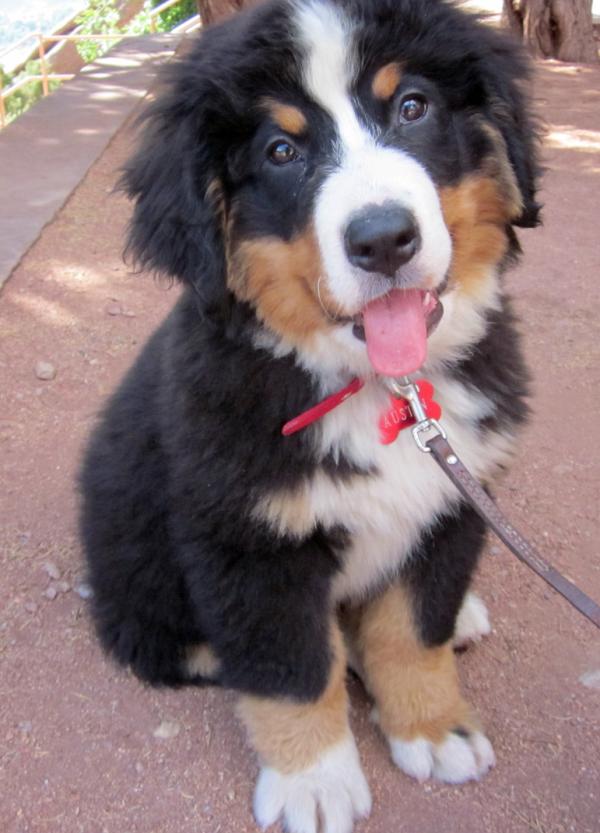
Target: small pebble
point(52, 570)
point(26, 726)
point(45, 371)
point(231, 795)
point(167, 729)
point(31, 607)
point(55, 589)
point(114, 308)
point(591, 679)
point(83, 590)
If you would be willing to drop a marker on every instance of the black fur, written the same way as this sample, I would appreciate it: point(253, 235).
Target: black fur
point(440, 570)
point(182, 453)
point(192, 439)
point(496, 368)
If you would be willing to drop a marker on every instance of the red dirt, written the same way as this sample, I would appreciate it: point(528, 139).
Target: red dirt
point(77, 749)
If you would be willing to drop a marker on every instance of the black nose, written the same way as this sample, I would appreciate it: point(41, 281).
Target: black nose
point(381, 238)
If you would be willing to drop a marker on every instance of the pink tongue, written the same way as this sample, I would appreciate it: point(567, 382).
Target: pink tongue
point(396, 332)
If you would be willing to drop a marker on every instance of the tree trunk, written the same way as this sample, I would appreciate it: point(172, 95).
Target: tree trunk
point(511, 18)
point(537, 27)
point(576, 40)
point(212, 11)
point(560, 29)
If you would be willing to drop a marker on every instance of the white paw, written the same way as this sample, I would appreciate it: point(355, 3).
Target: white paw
point(472, 622)
point(456, 760)
point(334, 789)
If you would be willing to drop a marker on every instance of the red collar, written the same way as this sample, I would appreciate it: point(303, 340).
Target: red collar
point(393, 420)
point(321, 408)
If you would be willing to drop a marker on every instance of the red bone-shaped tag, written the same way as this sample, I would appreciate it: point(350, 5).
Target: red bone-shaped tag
point(399, 415)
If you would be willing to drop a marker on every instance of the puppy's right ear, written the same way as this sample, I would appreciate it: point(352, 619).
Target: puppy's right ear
point(176, 228)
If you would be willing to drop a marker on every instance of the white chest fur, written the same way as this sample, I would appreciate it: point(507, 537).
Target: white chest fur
point(384, 512)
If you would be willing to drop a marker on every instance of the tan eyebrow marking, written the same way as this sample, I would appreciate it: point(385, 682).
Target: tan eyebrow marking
point(288, 117)
point(386, 80)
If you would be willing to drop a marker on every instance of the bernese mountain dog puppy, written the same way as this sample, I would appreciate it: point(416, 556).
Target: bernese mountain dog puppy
point(336, 185)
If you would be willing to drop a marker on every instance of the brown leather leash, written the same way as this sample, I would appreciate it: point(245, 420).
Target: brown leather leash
point(449, 462)
point(447, 459)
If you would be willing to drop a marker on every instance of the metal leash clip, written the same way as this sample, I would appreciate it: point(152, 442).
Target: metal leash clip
point(404, 388)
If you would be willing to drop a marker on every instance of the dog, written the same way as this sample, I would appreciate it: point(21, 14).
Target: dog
point(336, 185)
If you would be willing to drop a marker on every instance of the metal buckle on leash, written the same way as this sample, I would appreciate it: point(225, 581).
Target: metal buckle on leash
point(403, 388)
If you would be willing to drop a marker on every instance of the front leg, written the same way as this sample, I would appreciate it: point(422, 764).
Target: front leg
point(403, 640)
point(264, 607)
point(309, 761)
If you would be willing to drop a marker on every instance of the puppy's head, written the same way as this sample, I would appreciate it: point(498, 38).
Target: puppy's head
point(338, 166)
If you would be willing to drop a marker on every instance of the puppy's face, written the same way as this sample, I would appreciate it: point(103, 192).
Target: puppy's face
point(358, 172)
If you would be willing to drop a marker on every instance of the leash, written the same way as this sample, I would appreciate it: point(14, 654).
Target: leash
point(452, 466)
point(467, 485)
point(412, 406)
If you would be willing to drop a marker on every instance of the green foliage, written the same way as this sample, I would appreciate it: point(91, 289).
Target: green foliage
point(172, 17)
point(101, 17)
point(142, 22)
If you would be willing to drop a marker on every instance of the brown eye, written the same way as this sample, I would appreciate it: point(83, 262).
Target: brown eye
point(412, 108)
point(280, 153)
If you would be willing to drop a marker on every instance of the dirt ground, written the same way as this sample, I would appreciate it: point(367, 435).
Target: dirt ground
point(84, 748)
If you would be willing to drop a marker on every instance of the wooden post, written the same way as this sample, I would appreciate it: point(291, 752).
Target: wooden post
point(43, 68)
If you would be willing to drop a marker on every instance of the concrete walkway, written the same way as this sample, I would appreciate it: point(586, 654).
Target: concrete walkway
point(84, 748)
point(46, 152)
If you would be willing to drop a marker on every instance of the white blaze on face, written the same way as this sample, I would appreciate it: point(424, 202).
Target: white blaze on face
point(327, 36)
point(367, 174)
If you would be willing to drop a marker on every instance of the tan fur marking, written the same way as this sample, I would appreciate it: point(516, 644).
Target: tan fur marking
point(201, 661)
point(287, 117)
point(288, 512)
point(214, 195)
point(498, 166)
point(295, 511)
point(386, 80)
point(291, 736)
point(476, 213)
point(416, 688)
point(281, 281)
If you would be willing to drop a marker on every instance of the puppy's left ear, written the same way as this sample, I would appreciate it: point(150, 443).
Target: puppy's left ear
point(176, 227)
point(506, 72)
